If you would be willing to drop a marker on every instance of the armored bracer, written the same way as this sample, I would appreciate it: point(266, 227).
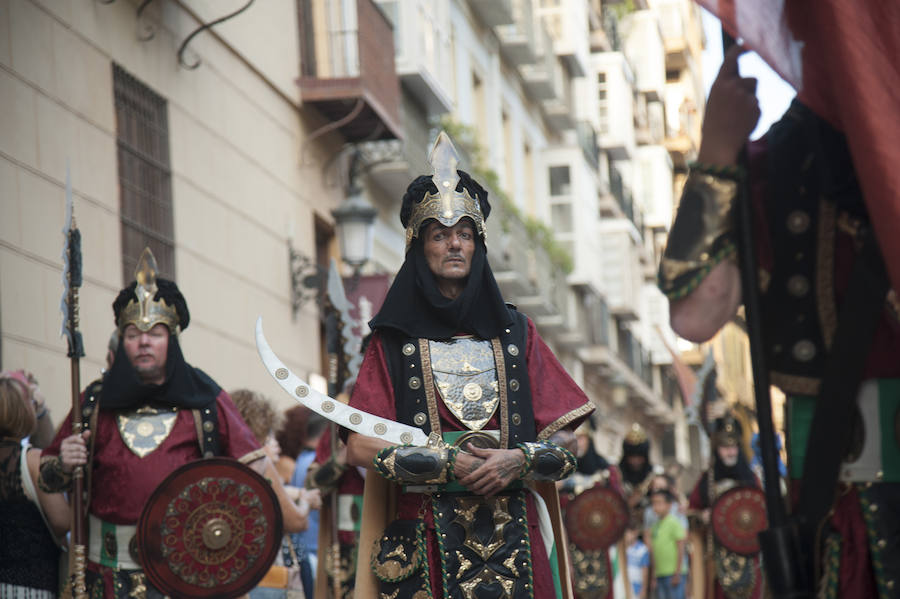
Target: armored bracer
point(408, 464)
point(53, 479)
point(325, 476)
point(546, 461)
point(702, 235)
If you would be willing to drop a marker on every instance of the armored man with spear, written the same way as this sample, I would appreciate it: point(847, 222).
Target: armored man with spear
point(150, 415)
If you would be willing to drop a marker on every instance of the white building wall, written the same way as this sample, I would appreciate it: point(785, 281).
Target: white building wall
point(239, 183)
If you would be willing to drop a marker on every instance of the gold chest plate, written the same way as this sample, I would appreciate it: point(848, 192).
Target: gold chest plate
point(466, 378)
point(144, 429)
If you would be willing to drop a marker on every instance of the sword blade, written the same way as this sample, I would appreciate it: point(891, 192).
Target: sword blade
point(356, 420)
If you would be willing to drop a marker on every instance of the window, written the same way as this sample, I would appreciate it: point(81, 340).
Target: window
point(561, 217)
point(603, 107)
point(145, 178)
point(560, 182)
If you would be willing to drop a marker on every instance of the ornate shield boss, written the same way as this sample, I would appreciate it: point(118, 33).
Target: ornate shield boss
point(211, 529)
point(596, 519)
point(738, 515)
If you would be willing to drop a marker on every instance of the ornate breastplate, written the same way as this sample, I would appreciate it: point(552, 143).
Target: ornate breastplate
point(466, 377)
point(144, 429)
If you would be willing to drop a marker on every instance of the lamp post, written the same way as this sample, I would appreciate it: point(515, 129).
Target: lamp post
point(355, 220)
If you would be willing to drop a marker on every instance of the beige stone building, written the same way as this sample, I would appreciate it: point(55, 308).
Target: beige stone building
point(214, 167)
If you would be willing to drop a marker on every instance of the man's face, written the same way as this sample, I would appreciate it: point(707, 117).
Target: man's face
point(728, 454)
point(635, 462)
point(147, 352)
point(449, 250)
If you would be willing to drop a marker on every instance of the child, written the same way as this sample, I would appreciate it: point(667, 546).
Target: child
point(638, 560)
point(668, 538)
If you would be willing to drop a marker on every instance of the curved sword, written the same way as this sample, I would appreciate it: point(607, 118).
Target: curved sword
point(350, 418)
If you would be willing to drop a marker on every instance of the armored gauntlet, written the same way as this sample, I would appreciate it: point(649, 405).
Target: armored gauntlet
point(53, 479)
point(325, 476)
point(702, 235)
point(416, 465)
point(546, 461)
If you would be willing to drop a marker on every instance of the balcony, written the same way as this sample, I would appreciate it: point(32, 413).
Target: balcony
point(587, 139)
point(517, 40)
point(493, 13)
point(539, 77)
point(423, 52)
point(348, 70)
point(674, 35)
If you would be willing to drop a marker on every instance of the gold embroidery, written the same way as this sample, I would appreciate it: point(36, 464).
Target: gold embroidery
point(510, 563)
point(500, 362)
point(565, 419)
point(430, 396)
point(485, 577)
point(464, 564)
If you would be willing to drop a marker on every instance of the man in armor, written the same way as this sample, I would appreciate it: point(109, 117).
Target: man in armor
point(449, 356)
point(592, 570)
point(736, 576)
point(142, 421)
point(637, 472)
point(816, 253)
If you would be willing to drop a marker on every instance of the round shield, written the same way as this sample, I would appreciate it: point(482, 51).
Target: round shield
point(211, 529)
point(596, 519)
point(738, 515)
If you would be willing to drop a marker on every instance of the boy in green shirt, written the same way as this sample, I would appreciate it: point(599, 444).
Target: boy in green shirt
point(668, 548)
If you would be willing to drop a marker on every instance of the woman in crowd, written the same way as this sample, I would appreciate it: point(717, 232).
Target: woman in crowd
point(32, 522)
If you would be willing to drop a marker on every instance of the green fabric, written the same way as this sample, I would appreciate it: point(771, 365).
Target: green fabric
point(554, 569)
point(888, 406)
point(110, 561)
point(800, 409)
point(665, 534)
point(800, 414)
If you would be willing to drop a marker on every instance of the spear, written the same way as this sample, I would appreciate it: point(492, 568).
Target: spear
point(69, 305)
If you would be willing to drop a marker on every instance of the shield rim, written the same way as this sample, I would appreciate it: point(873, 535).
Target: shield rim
point(572, 524)
point(718, 506)
point(146, 533)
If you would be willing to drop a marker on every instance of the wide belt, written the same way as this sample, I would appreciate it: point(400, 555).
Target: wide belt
point(349, 512)
point(877, 459)
point(111, 545)
point(458, 438)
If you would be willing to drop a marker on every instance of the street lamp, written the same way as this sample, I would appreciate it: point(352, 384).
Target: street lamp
point(355, 223)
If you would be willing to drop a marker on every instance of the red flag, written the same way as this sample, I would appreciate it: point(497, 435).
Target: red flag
point(843, 57)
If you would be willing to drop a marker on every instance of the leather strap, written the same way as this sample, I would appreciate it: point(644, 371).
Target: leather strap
point(830, 435)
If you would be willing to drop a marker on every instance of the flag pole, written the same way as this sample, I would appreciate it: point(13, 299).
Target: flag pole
point(786, 569)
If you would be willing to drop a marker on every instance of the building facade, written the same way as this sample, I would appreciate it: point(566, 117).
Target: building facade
point(578, 115)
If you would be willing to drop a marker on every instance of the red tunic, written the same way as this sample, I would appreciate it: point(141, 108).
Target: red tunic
point(121, 481)
point(557, 403)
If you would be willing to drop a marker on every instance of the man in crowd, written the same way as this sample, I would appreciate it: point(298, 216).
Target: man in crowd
point(736, 576)
point(817, 255)
point(449, 356)
point(636, 470)
point(141, 422)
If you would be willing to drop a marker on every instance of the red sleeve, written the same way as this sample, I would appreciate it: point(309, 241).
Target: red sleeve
point(65, 429)
point(373, 391)
point(323, 449)
point(234, 435)
point(696, 502)
point(557, 401)
point(615, 480)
